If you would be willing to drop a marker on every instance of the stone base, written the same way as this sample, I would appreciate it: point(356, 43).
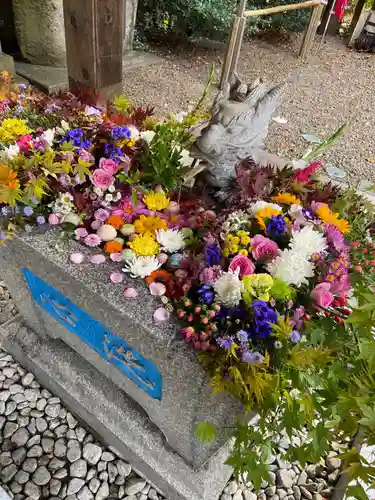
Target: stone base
point(6, 63)
point(113, 416)
point(52, 80)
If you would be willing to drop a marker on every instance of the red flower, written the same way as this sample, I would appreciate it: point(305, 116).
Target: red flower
point(304, 174)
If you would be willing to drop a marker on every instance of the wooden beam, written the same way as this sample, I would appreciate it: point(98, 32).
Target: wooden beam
point(309, 36)
point(281, 8)
point(93, 32)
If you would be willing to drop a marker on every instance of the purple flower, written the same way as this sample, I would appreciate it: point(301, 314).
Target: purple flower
point(212, 254)
point(80, 232)
point(101, 214)
point(225, 342)
point(295, 336)
point(263, 318)
point(92, 240)
point(276, 225)
point(41, 219)
point(335, 237)
point(252, 357)
point(242, 336)
point(209, 275)
point(22, 85)
point(28, 211)
point(119, 133)
point(206, 294)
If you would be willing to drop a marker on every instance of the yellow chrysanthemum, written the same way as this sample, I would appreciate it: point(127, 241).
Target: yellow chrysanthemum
point(245, 240)
point(328, 217)
point(266, 213)
point(156, 201)
point(144, 244)
point(13, 128)
point(243, 251)
point(233, 248)
point(149, 224)
point(286, 199)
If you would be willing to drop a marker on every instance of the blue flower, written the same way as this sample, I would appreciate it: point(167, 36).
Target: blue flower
point(206, 294)
point(212, 254)
point(263, 318)
point(242, 336)
point(276, 225)
point(76, 137)
point(41, 219)
point(225, 342)
point(295, 336)
point(114, 152)
point(119, 133)
point(22, 85)
point(28, 211)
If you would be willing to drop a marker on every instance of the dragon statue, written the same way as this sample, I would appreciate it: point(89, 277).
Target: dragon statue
point(237, 130)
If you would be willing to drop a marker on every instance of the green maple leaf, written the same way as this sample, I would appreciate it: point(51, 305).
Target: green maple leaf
point(357, 491)
point(205, 431)
point(81, 169)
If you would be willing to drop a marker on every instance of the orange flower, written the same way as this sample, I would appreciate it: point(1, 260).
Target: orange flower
point(160, 275)
point(115, 221)
point(113, 247)
point(286, 199)
point(266, 213)
point(328, 217)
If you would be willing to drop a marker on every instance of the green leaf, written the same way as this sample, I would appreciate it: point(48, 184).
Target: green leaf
point(134, 198)
point(205, 431)
point(81, 169)
point(357, 491)
point(67, 146)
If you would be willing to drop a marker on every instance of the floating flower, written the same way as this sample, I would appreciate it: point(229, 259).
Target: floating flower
point(97, 259)
point(112, 247)
point(156, 201)
point(172, 240)
point(77, 258)
point(116, 257)
point(115, 221)
point(263, 248)
point(41, 219)
point(229, 289)
point(101, 179)
point(157, 288)
point(116, 277)
point(107, 232)
point(149, 224)
point(258, 286)
point(242, 264)
point(328, 217)
point(161, 314)
point(92, 240)
point(144, 244)
point(322, 295)
point(141, 266)
point(108, 165)
point(130, 293)
point(286, 199)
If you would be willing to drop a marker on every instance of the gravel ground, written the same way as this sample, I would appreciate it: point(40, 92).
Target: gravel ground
point(333, 87)
point(45, 452)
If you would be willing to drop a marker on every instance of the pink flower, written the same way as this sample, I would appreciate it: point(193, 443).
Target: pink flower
point(24, 143)
point(243, 264)
point(53, 219)
point(97, 259)
point(263, 248)
point(77, 258)
point(335, 237)
point(96, 224)
point(157, 288)
point(101, 214)
point(116, 257)
point(130, 293)
point(297, 320)
point(209, 275)
point(322, 295)
point(80, 232)
point(92, 240)
point(86, 156)
point(101, 179)
point(161, 314)
point(109, 166)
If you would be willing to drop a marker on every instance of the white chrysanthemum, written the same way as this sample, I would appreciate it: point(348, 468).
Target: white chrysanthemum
point(308, 241)
point(259, 205)
point(47, 137)
point(229, 288)
point(10, 152)
point(147, 135)
point(172, 240)
point(141, 267)
point(293, 267)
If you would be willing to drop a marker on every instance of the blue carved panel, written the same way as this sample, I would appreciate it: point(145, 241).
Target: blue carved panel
point(109, 346)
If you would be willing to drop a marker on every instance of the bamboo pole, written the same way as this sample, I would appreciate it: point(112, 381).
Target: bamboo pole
point(308, 38)
point(281, 8)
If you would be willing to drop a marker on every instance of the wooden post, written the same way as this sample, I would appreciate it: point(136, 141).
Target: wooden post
point(308, 38)
point(234, 44)
point(93, 32)
point(357, 14)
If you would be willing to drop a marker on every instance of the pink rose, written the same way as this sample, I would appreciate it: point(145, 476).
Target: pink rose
point(109, 166)
point(101, 179)
point(243, 264)
point(322, 295)
point(263, 248)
